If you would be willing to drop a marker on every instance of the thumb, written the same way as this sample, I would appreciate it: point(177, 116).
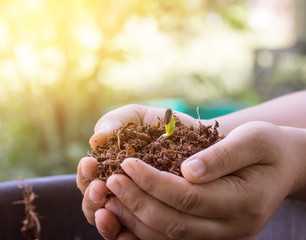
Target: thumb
point(102, 133)
point(244, 146)
point(113, 120)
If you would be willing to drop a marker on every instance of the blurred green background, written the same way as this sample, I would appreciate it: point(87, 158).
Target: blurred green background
point(64, 63)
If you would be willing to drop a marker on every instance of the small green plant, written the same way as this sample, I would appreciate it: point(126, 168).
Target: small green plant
point(169, 124)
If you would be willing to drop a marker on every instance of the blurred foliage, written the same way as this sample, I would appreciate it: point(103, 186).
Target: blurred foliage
point(280, 73)
point(63, 62)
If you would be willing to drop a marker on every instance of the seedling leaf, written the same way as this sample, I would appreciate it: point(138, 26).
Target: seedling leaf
point(169, 122)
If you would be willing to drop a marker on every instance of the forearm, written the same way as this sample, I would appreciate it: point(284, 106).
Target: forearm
point(288, 110)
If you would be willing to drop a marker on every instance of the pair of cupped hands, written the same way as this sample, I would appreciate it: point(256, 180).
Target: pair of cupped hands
point(229, 191)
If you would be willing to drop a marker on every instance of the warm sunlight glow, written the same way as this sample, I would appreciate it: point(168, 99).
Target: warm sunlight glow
point(4, 32)
point(52, 65)
point(27, 59)
point(89, 36)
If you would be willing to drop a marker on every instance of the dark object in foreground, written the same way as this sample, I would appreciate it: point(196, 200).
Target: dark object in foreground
point(144, 142)
point(59, 207)
point(30, 225)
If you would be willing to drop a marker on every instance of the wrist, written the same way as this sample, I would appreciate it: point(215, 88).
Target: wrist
point(296, 157)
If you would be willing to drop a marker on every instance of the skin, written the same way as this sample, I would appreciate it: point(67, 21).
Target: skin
point(229, 191)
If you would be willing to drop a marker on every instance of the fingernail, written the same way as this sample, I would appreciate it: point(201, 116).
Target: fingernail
point(86, 172)
point(100, 132)
point(195, 167)
point(114, 207)
point(115, 187)
point(100, 226)
point(94, 196)
point(128, 168)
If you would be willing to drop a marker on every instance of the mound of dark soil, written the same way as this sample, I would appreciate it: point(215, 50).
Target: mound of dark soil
point(144, 142)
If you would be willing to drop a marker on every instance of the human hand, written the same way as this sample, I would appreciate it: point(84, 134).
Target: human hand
point(95, 191)
point(245, 178)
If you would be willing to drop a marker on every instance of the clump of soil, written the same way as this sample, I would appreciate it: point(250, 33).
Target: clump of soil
point(30, 225)
point(144, 142)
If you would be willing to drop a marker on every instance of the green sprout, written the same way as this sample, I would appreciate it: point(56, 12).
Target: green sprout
point(169, 124)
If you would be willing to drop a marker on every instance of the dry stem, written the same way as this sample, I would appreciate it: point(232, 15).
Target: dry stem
point(31, 227)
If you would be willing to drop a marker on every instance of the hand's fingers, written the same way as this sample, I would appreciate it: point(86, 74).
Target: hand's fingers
point(184, 196)
point(107, 224)
point(158, 216)
point(127, 235)
point(130, 113)
point(94, 198)
point(131, 222)
point(244, 146)
point(87, 171)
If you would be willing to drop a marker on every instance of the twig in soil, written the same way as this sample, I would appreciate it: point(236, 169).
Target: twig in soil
point(31, 227)
point(118, 137)
point(199, 118)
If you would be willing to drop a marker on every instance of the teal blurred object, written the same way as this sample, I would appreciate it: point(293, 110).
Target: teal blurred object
point(211, 110)
point(207, 110)
point(176, 104)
